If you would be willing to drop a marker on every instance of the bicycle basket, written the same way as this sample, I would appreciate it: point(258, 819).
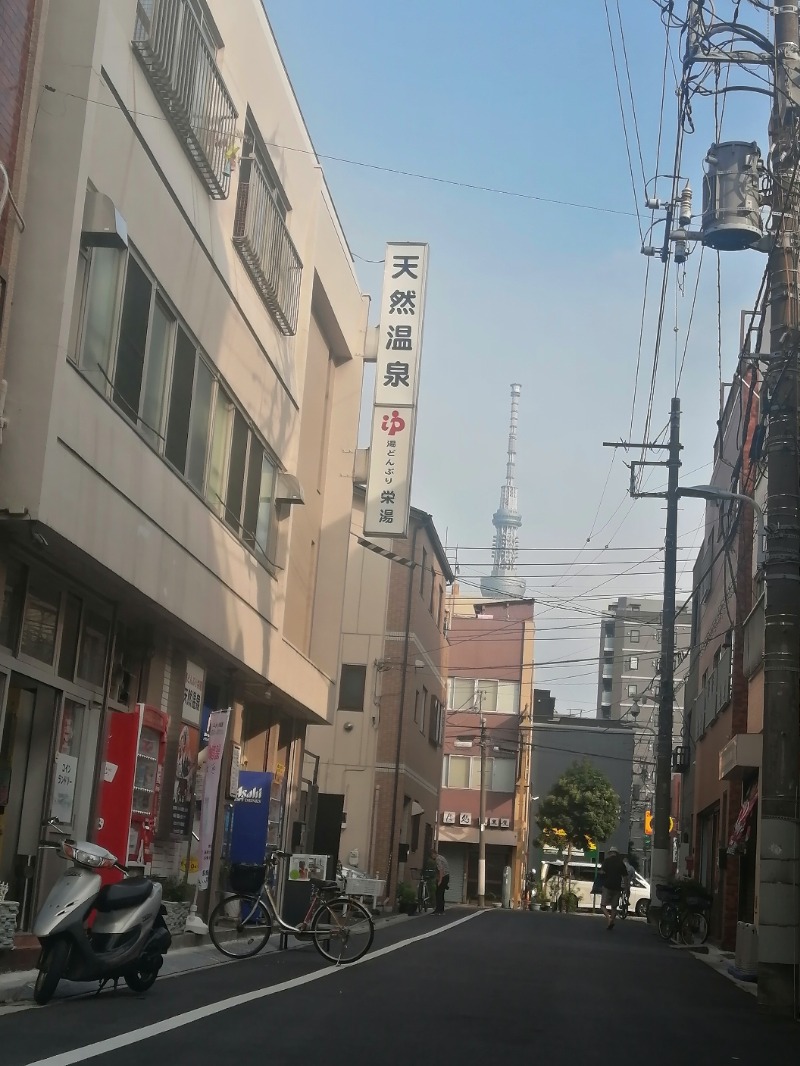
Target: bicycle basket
point(668, 894)
point(247, 877)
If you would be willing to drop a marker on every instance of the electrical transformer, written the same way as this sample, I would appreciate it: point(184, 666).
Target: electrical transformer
point(731, 196)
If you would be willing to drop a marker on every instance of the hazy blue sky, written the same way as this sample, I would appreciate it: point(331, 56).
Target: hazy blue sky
point(521, 97)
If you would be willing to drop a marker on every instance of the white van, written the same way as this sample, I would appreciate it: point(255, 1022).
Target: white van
point(582, 876)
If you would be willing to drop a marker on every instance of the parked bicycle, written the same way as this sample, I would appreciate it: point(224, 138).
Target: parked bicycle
point(240, 925)
point(683, 915)
point(623, 907)
point(424, 898)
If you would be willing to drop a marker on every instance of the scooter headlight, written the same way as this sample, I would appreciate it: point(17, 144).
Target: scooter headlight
point(94, 859)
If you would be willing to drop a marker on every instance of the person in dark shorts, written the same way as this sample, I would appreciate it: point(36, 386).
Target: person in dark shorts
point(615, 875)
point(442, 879)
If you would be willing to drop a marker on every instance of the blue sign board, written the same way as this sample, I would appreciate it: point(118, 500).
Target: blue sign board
point(251, 817)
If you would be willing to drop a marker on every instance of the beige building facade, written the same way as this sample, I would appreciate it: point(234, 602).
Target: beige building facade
point(184, 374)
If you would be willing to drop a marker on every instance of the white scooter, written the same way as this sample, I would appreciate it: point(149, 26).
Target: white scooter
point(128, 937)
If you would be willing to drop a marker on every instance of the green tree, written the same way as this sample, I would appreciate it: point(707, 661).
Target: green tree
point(581, 810)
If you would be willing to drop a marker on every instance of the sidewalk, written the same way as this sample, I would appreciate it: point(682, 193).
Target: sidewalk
point(192, 953)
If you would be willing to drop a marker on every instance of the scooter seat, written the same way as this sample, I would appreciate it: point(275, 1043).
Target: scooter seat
point(124, 894)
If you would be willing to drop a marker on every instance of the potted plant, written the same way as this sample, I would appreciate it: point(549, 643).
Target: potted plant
point(406, 898)
point(540, 899)
point(9, 909)
point(176, 896)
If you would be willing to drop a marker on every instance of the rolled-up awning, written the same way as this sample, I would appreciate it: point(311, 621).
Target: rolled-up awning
point(741, 830)
point(416, 808)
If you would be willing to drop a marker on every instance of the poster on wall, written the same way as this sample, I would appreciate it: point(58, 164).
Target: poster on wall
point(217, 731)
point(193, 693)
point(302, 867)
point(183, 788)
point(251, 817)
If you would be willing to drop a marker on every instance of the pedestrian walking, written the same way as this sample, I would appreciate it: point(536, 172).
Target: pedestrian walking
point(614, 873)
point(442, 879)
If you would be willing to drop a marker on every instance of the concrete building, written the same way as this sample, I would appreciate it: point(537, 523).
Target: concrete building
point(721, 753)
point(628, 689)
point(559, 742)
point(383, 755)
point(490, 695)
point(184, 368)
point(20, 59)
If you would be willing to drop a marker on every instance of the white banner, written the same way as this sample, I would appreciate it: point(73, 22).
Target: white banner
point(217, 731)
point(400, 334)
point(193, 692)
point(389, 481)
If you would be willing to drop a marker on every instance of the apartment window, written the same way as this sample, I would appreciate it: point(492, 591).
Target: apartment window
point(474, 694)
point(13, 603)
point(40, 621)
point(416, 822)
point(633, 690)
point(633, 662)
point(422, 569)
point(258, 498)
point(435, 722)
point(440, 611)
point(200, 406)
point(94, 644)
point(423, 709)
point(458, 771)
point(475, 774)
point(416, 706)
point(504, 775)
point(433, 590)
point(352, 684)
point(220, 443)
point(95, 306)
point(633, 636)
point(70, 633)
point(131, 346)
point(236, 470)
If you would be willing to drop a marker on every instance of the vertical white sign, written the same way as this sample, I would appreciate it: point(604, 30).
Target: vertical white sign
point(193, 692)
point(397, 375)
point(217, 731)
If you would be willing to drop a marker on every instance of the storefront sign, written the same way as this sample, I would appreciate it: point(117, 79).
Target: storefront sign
point(193, 692)
point(217, 731)
point(396, 387)
point(251, 817)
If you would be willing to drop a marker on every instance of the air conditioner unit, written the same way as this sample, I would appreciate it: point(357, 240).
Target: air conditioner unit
point(505, 823)
point(449, 817)
point(494, 822)
point(465, 819)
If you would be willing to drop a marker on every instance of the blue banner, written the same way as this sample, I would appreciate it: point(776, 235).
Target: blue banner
point(251, 817)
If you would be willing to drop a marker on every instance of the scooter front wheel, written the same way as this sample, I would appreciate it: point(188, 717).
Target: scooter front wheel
point(52, 964)
point(143, 975)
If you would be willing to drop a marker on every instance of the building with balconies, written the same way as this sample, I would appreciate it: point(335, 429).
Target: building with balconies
point(184, 375)
point(721, 745)
point(629, 689)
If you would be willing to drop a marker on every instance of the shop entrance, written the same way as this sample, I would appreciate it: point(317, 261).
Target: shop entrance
point(24, 762)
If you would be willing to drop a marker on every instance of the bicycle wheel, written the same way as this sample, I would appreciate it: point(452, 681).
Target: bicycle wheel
point(342, 929)
point(694, 928)
point(240, 926)
point(668, 922)
point(423, 896)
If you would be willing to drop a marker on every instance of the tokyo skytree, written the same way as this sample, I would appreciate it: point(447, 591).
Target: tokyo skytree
point(503, 580)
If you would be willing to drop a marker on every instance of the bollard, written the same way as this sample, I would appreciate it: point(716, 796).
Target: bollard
point(506, 886)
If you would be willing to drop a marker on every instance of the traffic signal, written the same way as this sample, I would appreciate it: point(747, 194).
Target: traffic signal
point(648, 823)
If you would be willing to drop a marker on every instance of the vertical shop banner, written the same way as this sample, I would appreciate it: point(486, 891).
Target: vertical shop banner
point(193, 693)
point(217, 731)
point(397, 371)
point(251, 817)
point(183, 789)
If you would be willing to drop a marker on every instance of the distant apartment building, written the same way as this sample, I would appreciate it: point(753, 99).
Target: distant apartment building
point(561, 741)
point(629, 689)
point(489, 702)
point(382, 753)
point(184, 374)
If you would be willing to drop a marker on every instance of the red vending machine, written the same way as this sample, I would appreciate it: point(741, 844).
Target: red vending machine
point(130, 789)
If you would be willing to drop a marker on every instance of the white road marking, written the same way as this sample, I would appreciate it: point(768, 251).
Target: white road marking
point(135, 1036)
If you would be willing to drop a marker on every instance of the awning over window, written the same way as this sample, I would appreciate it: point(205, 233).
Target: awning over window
point(416, 809)
point(741, 830)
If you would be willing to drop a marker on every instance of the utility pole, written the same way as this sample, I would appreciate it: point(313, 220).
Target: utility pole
point(661, 856)
point(482, 820)
point(778, 897)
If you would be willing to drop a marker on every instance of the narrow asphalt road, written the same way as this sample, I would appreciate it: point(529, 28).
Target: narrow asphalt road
point(472, 988)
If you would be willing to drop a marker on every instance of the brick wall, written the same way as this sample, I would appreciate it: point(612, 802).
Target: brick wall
point(16, 29)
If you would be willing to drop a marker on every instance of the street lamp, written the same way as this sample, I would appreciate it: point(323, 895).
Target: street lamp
point(711, 492)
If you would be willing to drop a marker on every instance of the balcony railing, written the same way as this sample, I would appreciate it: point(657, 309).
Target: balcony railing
point(263, 241)
point(182, 69)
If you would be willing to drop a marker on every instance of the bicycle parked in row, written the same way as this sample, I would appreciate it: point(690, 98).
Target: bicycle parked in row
point(240, 925)
point(683, 914)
